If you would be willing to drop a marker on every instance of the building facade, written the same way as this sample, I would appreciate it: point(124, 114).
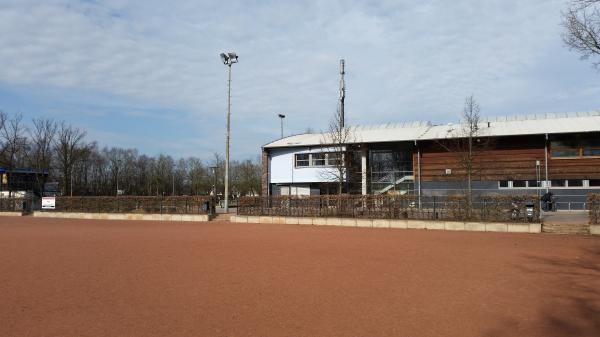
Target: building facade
point(559, 153)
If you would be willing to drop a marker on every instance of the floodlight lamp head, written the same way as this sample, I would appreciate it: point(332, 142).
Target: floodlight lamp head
point(224, 58)
point(281, 116)
point(233, 58)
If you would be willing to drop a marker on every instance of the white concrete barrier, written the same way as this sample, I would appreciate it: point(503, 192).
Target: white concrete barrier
point(595, 229)
point(11, 214)
point(123, 216)
point(399, 223)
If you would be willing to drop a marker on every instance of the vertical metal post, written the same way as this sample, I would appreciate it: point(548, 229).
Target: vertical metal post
point(117, 193)
point(546, 162)
point(342, 92)
point(363, 168)
point(227, 141)
point(419, 172)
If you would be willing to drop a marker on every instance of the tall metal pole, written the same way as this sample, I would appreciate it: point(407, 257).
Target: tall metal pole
point(281, 118)
point(227, 142)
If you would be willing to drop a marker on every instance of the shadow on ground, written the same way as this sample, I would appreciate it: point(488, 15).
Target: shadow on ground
point(571, 301)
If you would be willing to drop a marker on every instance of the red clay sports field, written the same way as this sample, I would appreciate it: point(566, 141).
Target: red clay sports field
point(127, 278)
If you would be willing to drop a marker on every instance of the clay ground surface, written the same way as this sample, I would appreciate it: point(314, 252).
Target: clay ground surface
point(126, 278)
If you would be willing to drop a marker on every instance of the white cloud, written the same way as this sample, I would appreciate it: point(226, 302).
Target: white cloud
point(405, 60)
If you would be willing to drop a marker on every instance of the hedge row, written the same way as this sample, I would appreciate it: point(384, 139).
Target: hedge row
point(135, 204)
point(458, 207)
point(593, 206)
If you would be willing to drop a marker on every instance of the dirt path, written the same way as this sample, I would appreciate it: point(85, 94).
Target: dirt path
point(111, 278)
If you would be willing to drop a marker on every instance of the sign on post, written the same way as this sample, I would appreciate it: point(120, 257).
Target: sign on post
point(48, 202)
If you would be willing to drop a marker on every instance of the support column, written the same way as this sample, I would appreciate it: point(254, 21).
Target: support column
point(363, 168)
point(264, 179)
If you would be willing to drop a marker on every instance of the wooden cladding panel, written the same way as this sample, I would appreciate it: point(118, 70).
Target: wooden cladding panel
point(505, 164)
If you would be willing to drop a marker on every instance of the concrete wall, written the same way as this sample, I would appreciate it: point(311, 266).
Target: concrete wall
point(123, 216)
point(384, 223)
point(11, 214)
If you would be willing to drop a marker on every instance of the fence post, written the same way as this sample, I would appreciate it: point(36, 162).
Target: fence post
point(434, 209)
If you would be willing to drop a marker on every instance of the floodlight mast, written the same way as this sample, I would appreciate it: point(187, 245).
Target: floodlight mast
point(342, 92)
point(228, 59)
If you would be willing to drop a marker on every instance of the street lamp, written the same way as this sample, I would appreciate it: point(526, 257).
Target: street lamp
point(281, 117)
point(214, 187)
point(228, 59)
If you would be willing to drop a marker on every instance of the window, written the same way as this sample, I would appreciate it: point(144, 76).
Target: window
point(591, 152)
point(565, 153)
point(503, 183)
point(532, 183)
point(318, 159)
point(303, 160)
point(575, 146)
point(333, 159)
point(594, 182)
point(575, 182)
point(558, 183)
point(519, 183)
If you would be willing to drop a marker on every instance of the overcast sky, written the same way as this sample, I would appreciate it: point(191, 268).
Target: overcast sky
point(147, 74)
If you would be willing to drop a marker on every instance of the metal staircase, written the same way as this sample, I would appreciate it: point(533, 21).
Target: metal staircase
point(400, 182)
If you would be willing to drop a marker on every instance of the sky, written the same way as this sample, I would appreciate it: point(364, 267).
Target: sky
point(147, 74)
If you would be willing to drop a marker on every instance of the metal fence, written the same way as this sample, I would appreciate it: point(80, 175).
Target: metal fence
point(135, 204)
point(593, 205)
point(13, 204)
point(458, 207)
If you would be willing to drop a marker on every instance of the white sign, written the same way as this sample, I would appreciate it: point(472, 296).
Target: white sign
point(48, 202)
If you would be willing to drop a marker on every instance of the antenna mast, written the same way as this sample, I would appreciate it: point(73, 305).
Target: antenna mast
point(342, 92)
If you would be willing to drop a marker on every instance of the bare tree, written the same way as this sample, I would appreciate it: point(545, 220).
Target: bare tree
point(15, 145)
point(68, 142)
point(465, 142)
point(582, 28)
point(248, 174)
point(336, 144)
point(42, 138)
point(470, 130)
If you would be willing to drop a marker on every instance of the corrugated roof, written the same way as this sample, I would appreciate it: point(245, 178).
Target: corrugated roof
point(524, 125)
point(360, 134)
point(551, 123)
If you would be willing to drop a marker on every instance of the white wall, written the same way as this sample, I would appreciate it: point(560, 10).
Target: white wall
point(283, 171)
